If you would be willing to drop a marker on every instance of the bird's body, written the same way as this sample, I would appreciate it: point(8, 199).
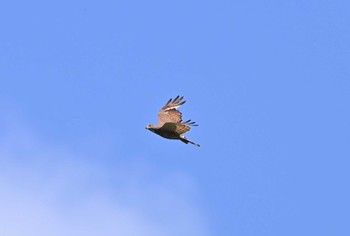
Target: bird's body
point(170, 123)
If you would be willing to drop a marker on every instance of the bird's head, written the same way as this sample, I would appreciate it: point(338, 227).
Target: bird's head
point(150, 127)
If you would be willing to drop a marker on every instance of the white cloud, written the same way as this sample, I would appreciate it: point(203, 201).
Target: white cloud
point(50, 191)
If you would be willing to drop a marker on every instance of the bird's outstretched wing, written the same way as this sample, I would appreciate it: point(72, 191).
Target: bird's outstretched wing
point(169, 112)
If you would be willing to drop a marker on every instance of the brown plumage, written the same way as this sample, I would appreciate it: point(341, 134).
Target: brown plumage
point(170, 123)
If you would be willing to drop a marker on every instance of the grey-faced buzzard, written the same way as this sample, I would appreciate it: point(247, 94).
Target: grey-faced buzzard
point(170, 123)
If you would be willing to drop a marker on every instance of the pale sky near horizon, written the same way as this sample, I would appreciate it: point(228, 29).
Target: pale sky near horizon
point(267, 82)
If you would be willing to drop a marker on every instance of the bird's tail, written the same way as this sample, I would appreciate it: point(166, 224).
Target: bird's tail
point(185, 140)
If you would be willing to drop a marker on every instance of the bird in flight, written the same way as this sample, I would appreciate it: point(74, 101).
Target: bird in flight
point(170, 123)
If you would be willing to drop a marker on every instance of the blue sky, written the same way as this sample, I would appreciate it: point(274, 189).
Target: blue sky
point(267, 81)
